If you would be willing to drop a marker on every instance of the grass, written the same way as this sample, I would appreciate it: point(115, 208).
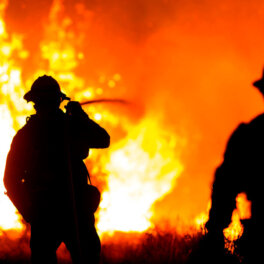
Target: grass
point(155, 247)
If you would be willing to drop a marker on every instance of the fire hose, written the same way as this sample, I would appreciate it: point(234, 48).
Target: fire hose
point(75, 106)
point(104, 100)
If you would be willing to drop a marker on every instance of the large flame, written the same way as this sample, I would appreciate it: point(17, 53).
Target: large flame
point(10, 81)
point(142, 168)
point(8, 217)
point(148, 155)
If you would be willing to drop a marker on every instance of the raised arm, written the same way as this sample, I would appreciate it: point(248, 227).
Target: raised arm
point(85, 129)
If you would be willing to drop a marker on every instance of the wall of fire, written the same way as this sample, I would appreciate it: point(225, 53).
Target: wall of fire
point(186, 69)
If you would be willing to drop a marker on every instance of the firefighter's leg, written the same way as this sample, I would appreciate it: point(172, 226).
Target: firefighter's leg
point(89, 246)
point(43, 244)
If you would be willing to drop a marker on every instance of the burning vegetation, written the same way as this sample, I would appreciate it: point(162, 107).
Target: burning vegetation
point(184, 100)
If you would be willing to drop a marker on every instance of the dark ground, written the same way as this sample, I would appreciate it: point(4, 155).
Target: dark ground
point(155, 247)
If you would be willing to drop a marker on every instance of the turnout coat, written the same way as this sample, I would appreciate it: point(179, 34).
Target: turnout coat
point(45, 174)
point(241, 171)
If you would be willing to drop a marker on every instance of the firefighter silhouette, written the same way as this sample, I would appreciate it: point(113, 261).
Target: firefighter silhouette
point(242, 170)
point(46, 177)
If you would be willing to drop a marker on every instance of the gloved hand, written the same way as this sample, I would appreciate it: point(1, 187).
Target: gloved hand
point(74, 108)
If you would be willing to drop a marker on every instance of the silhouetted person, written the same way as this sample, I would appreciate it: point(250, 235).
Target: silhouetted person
point(242, 170)
point(45, 175)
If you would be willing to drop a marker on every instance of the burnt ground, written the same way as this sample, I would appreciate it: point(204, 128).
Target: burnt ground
point(156, 247)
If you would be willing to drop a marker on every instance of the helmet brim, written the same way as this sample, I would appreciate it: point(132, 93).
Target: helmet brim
point(32, 96)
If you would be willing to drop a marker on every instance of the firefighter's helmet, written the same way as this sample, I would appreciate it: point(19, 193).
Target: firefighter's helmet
point(44, 88)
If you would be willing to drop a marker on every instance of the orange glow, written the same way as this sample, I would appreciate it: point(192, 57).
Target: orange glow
point(235, 229)
point(202, 218)
point(186, 68)
point(142, 168)
point(10, 81)
point(8, 219)
point(243, 206)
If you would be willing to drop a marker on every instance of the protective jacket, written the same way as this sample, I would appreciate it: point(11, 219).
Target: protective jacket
point(45, 164)
point(242, 170)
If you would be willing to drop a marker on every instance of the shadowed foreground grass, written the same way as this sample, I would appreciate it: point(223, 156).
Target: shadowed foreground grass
point(155, 247)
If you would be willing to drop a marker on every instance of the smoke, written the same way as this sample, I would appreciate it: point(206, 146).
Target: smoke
point(192, 62)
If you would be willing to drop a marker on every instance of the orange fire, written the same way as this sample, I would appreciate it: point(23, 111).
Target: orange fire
point(142, 167)
point(178, 137)
point(8, 217)
point(235, 229)
point(10, 81)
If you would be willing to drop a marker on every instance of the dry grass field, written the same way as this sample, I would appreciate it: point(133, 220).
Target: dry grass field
point(155, 247)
